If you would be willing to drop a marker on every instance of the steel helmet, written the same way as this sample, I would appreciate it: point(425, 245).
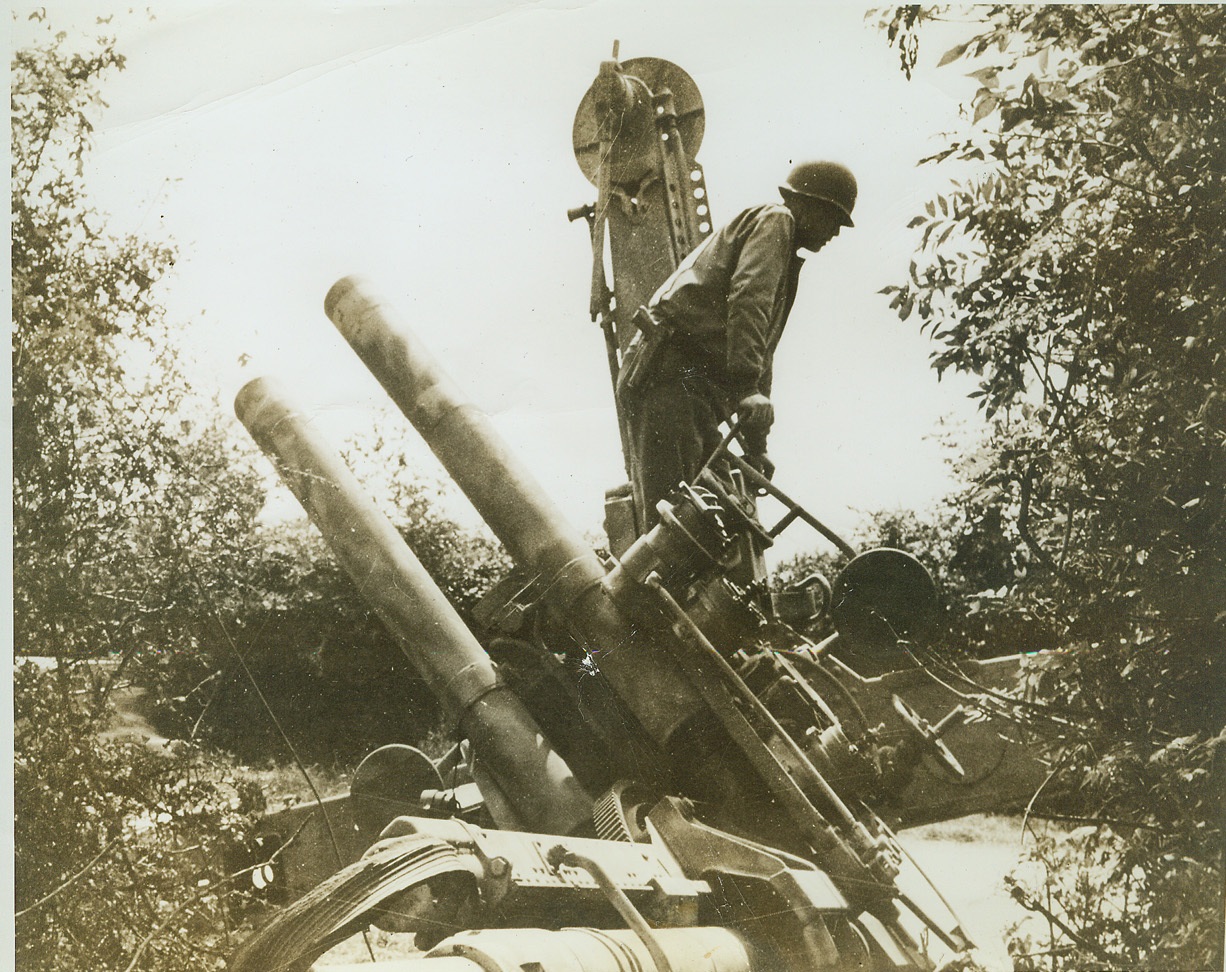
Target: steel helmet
point(824, 180)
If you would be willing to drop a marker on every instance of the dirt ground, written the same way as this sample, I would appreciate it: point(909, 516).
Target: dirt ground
point(967, 860)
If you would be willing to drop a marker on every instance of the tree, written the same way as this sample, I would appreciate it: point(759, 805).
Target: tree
point(1077, 266)
point(137, 502)
point(127, 500)
point(139, 552)
point(118, 468)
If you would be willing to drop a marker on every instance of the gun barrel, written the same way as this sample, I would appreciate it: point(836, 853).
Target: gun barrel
point(520, 513)
point(535, 780)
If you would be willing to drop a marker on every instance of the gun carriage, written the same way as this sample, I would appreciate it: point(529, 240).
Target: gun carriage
point(660, 772)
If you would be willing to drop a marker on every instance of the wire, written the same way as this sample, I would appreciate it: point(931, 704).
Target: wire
point(319, 801)
point(830, 677)
point(43, 900)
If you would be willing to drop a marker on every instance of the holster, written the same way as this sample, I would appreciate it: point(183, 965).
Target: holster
point(641, 352)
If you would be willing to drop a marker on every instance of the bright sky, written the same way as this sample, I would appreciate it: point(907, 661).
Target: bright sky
point(427, 146)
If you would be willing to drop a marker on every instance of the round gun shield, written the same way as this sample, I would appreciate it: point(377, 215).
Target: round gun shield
point(633, 153)
point(882, 596)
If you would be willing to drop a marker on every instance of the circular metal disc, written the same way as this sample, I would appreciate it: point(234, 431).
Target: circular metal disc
point(883, 595)
point(633, 154)
point(387, 784)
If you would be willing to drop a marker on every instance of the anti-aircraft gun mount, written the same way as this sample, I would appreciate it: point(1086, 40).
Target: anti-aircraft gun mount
point(658, 773)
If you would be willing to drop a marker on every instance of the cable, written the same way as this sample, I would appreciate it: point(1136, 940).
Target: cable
point(319, 801)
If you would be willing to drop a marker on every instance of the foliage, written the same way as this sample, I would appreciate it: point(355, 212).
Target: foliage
point(900, 32)
point(137, 508)
point(972, 565)
point(122, 856)
point(1099, 884)
point(140, 553)
point(323, 661)
point(464, 562)
point(117, 466)
point(119, 854)
point(1077, 265)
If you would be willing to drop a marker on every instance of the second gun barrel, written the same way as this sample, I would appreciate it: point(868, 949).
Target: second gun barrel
point(534, 778)
point(516, 508)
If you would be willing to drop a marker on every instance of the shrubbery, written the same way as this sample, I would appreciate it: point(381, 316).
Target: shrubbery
point(123, 857)
point(294, 625)
point(137, 501)
point(140, 555)
point(1075, 267)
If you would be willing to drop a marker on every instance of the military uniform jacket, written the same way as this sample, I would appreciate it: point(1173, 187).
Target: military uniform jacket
point(728, 301)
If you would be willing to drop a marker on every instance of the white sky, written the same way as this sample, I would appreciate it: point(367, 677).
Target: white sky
point(427, 145)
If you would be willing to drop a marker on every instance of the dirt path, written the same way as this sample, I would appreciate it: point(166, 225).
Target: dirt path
point(967, 861)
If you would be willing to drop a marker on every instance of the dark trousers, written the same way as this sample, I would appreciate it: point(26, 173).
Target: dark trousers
point(675, 426)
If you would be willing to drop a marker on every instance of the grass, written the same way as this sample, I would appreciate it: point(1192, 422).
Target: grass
point(977, 828)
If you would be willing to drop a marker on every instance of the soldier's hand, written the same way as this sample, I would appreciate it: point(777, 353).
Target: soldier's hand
point(756, 413)
point(762, 462)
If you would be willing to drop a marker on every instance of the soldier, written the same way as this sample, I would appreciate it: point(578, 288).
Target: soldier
point(709, 335)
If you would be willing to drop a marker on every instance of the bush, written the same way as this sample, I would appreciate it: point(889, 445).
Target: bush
point(1074, 266)
point(289, 621)
point(120, 853)
point(1105, 899)
point(973, 565)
